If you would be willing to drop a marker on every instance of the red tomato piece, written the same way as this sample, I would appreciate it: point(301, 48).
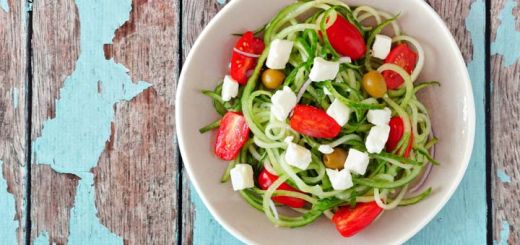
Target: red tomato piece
point(266, 179)
point(403, 56)
point(232, 135)
point(314, 122)
point(396, 133)
point(346, 39)
point(241, 64)
point(350, 221)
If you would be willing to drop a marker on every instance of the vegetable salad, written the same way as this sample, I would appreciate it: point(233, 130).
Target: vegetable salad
point(320, 116)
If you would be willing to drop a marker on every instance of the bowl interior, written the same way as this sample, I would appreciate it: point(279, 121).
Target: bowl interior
point(451, 108)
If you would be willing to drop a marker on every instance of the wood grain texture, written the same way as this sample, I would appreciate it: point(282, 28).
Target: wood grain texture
point(136, 191)
point(52, 202)
point(199, 227)
point(54, 56)
point(13, 124)
point(505, 117)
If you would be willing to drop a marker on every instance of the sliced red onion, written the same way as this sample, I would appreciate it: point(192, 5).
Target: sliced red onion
point(426, 173)
point(250, 55)
point(303, 89)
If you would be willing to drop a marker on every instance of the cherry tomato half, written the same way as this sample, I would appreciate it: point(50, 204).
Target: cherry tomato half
point(266, 179)
point(241, 64)
point(314, 122)
point(350, 221)
point(403, 56)
point(232, 135)
point(396, 133)
point(346, 39)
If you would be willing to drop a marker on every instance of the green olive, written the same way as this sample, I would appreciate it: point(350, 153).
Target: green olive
point(336, 159)
point(272, 78)
point(374, 83)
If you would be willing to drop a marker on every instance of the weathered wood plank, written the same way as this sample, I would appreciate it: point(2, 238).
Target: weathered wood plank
point(199, 227)
point(505, 115)
point(88, 94)
point(463, 219)
point(136, 191)
point(13, 124)
point(466, 21)
point(54, 58)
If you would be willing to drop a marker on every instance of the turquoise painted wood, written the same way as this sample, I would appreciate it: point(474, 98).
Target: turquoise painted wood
point(76, 149)
point(463, 219)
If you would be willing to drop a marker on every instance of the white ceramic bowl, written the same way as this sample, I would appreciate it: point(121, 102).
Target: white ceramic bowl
point(451, 107)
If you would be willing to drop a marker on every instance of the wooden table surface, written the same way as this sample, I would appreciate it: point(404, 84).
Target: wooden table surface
point(88, 153)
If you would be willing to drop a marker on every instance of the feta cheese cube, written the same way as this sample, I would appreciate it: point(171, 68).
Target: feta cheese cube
point(340, 112)
point(379, 117)
point(283, 101)
point(382, 46)
point(242, 177)
point(279, 54)
point(325, 149)
point(357, 161)
point(377, 138)
point(340, 180)
point(298, 156)
point(323, 70)
point(229, 88)
point(344, 60)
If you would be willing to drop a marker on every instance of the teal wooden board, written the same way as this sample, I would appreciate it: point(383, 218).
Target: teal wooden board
point(463, 219)
point(73, 141)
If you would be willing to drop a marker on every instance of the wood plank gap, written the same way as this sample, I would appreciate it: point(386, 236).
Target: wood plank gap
point(487, 96)
point(28, 119)
point(178, 158)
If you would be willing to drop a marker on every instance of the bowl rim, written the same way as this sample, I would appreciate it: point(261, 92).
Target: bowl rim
point(469, 143)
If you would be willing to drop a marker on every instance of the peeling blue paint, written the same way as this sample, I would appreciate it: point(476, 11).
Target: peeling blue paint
point(8, 224)
point(85, 225)
point(502, 176)
point(504, 234)
point(507, 39)
point(4, 5)
point(463, 219)
point(42, 239)
point(14, 92)
point(73, 141)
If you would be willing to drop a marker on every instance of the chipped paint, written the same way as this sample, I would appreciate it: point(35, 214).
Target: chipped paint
point(504, 234)
point(14, 93)
point(8, 224)
point(73, 141)
point(468, 204)
point(42, 239)
point(502, 176)
point(507, 35)
point(4, 5)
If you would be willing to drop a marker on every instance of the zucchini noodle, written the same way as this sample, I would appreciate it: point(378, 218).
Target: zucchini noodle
point(388, 175)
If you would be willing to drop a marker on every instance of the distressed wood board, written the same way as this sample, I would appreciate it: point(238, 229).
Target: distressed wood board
point(505, 116)
point(13, 123)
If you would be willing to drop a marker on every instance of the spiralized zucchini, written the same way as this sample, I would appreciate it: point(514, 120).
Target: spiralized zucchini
point(389, 175)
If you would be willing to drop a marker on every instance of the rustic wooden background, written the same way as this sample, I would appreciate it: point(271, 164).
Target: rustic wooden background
point(88, 153)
